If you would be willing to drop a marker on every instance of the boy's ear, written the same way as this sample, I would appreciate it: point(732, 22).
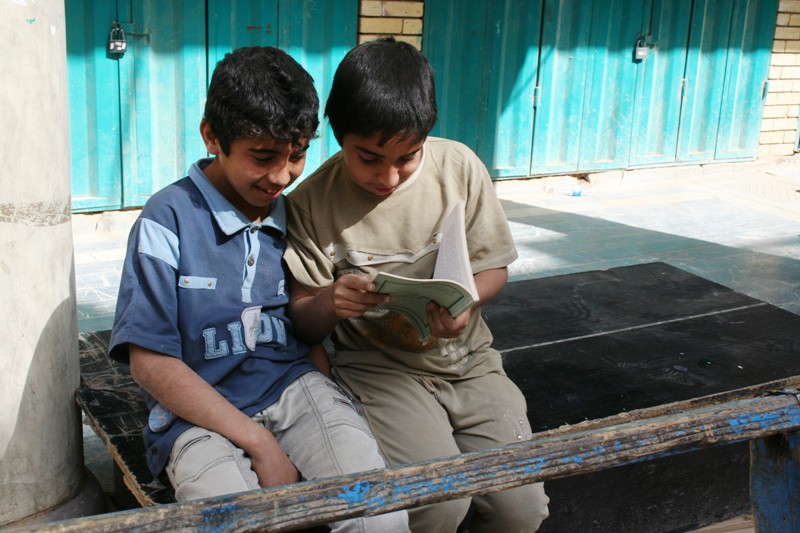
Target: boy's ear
point(211, 141)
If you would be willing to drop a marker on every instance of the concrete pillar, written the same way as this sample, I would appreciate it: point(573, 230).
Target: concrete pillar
point(41, 462)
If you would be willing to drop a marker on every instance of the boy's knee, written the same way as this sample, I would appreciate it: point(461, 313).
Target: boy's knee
point(438, 517)
point(522, 509)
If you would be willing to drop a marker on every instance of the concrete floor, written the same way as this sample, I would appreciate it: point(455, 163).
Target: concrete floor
point(735, 224)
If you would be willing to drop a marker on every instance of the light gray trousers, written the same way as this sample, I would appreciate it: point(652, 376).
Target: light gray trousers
point(319, 427)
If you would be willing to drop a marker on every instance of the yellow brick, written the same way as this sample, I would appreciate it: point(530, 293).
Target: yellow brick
point(771, 137)
point(789, 136)
point(789, 6)
point(783, 60)
point(363, 38)
point(776, 111)
point(372, 8)
point(381, 25)
point(788, 98)
point(412, 26)
point(403, 9)
point(787, 33)
point(781, 149)
point(413, 40)
point(779, 46)
point(783, 19)
point(796, 86)
point(775, 73)
point(772, 99)
point(790, 73)
point(781, 86)
point(785, 124)
point(791, 47)
point(794, 20)
point(763, 151)
point(768, 124)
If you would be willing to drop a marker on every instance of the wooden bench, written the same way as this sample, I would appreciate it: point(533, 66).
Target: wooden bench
point(647, 341)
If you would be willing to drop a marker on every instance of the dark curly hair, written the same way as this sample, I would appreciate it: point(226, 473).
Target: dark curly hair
point(261, 91)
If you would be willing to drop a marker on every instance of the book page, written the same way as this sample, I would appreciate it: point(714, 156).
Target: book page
point(452, 261)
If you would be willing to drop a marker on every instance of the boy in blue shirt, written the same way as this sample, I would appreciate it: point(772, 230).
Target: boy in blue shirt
point(380, 205)
point(236, 402)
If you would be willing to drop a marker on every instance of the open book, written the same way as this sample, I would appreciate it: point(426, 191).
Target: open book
point(452, 285)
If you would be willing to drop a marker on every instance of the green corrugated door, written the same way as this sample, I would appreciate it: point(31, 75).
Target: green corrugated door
point(135, 118)
point(485, 56)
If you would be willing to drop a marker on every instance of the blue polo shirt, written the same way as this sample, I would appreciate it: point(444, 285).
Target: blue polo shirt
point(203, 283)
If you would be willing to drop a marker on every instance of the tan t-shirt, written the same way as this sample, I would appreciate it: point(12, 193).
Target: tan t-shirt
point(335, 227)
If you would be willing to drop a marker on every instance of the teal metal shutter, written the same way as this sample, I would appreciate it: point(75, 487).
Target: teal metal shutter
point(727, 68)
point(135, 118)
point(96, 153)
point(563, 70)
point(318, 35)
point(163, 84)
point(746, 78)
point(485, 57)
point(657, 110)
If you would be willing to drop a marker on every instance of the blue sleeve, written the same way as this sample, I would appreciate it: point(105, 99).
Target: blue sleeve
point(147, 309)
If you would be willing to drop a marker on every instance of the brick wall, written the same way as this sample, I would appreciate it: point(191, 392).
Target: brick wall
point(399, 18)
point(779, 127)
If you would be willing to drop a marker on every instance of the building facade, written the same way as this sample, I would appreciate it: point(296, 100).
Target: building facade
point(535, 87)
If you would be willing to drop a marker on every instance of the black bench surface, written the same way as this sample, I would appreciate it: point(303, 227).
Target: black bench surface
point(594, 344)
point(580, 346)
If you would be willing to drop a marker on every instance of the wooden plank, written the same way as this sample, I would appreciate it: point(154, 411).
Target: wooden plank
point(551, 455)
point(113, 405)
point(775, 482)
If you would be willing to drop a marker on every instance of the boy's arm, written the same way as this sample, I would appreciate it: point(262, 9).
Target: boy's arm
point(489, 283)
point(315, 315)
point(319, 357)
point(181, 390)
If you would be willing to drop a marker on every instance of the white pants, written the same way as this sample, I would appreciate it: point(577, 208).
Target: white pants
point(319, 427)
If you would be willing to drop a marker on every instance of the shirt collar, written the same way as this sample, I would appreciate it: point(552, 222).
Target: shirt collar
point(229, 219)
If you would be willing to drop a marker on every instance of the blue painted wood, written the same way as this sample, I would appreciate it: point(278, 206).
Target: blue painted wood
point(797, 141)
point(746, 76)
point(610, 84)
point(563, 72)
point(486, 54)
point(654, 139)
point(135, 118)
point(775, 483)
point(234, 24)
point(704, 86)
point(93, 78)
point(318, 35)
point(162, 84)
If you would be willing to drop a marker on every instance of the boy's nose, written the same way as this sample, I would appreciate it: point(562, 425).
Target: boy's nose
point(281, 176)
point(390, 177)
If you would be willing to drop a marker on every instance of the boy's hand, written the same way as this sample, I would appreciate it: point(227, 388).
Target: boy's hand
point(353, 294)
point(445, 326)
point(271, 464)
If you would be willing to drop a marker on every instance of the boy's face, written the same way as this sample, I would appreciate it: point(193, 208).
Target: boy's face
point(377, 169)
point(255, 172)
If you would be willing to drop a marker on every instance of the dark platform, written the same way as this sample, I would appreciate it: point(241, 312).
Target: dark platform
point(580, 346)
point(594, 344)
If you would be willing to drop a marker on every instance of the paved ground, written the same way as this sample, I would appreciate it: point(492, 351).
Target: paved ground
point(735, 224)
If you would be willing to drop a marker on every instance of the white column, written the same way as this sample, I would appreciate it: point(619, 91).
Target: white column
point(41, 464)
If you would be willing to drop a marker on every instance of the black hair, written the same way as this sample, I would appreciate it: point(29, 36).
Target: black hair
point(383, 86)
point(261, 91)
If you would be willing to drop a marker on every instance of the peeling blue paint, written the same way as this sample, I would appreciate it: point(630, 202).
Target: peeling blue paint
point(219, 518)
point(356, 494)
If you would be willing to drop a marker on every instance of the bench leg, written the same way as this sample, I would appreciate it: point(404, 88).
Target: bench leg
point(775, 483)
